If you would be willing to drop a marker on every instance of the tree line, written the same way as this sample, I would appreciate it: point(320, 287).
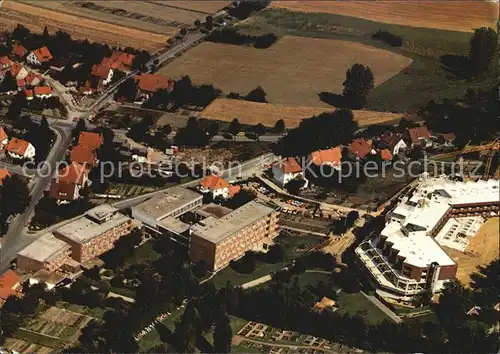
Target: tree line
point(232, 36)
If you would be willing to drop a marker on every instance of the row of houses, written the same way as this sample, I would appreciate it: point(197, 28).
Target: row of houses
point(27, 80)
point(16, 148)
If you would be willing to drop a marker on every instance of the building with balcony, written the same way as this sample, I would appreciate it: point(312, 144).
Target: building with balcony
point(217, 241)
point(405, 259)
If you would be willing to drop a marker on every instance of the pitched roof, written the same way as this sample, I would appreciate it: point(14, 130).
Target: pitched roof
point(7, 282)
point(448, 136)
point(63, 190)
point(28, 93)
point(100, 71)
point(153, 82)
point(15, 68)
point(83, 155)
point(360, 147)
point(74, 173)
point(385, 154)
point(234, 190)
point(214, 182)
point(90, 140)
point(289, 165)
point(327, 157)
point(4, 173)
point(418, 133)
point(21, 84)
point(43, 54)
point(4, 61)
point(19, 50)
point(390, 139)
point(124, 58)
point(32, 77)
point(17, 146)
point(43, 90)
point(3, 134)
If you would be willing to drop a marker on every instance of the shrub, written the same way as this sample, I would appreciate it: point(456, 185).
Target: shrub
point(388, 37)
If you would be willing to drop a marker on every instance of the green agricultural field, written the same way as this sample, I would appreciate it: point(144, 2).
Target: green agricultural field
point(424, 80)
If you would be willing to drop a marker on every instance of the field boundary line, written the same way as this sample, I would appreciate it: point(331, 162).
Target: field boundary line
point(179, 8)
point(39, 333)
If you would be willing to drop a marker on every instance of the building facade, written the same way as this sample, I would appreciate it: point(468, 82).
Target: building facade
point(47, 253)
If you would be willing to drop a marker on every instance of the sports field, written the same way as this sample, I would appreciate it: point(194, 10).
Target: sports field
point(447, 15)
point(295, 70)
point(482, 249)
point(252, 113)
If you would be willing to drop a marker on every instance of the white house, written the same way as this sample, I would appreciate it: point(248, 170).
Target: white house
point(218, 187)
point(4, 138)
point(39, 56)
point(20, 149)
point(103, 74)
point(393, 142)
point(286, 170)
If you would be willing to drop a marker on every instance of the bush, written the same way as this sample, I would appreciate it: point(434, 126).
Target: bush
point(246, 264)
point(388, 37)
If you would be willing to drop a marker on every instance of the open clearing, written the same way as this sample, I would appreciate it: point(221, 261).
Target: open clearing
point(448, 15)
point(84, 23)
point(482, 249)
point(295, 70)
point(252, 113)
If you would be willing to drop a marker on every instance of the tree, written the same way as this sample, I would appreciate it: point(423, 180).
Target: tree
point(186, 330)
point(279, 126)
point(234, 126)
point(81, 126)
point(209, 24)
point(9, 83)
point(14, 198)
point(127, 90)
point(295, 185)
point(223, 335)
point(16, 106)
point(358, 83)
point(483, 46)
point(183, 32)
point(197, 23)
point(257, 95)
point(46, 32)
point(259, 129)
point(191, 135)
point(213, 128)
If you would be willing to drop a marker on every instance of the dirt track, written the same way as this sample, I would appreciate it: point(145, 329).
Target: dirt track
point(448, 15)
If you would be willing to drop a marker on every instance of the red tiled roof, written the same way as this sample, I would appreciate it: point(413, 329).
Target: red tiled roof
point(418, 133)
point(3, 134)
point(234, 190)
point(21, 84)
point(43, 54)
point(15, 68)
point(100, 71)
point(449, 136)
point(327, 157)
point(4, 61)
point(31, 77)
point(43, 90)
point(8, 282)
point(3, 174)
point(83, 155)
point(289, 165)
point(28, 93)
point(74, 173)
point(124, 58)
point(360, 147)
point(386, 155)
point(17, 146)
point(214, 182)
point(90, 140)
point(19, 50)
point(63, 190)
point(153, 82)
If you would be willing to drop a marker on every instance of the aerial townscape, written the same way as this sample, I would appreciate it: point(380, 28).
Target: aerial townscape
point(249, 176)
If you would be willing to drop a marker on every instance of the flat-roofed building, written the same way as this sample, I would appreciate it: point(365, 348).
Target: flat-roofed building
point(46, 252)
point(405, 259)
point(217, 241)
point(95, 232)
point(158, 214)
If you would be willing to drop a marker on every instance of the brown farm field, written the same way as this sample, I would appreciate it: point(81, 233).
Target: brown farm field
point(80, 25)
point(461, 16)
point(202, 6)
point(252, 113)
point(482, 249)
point(295, 70)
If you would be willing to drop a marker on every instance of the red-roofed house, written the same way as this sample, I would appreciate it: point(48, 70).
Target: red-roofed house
point(19, 51)
point(5, 63)
point(102, 74)
point(330, 157)
point(32, 79)
point(4, 173)
point(446, 138)
point(151, 83)
point(90, 140)
point(18, 71)
point(83, 155)
point(420, 136)
point(39, 56)
point(20, 149)
point(29, 94)
point(393, 142)
point(4, 138)
point(385, 155)
point(9, 283)
point(360, 148)
point(43, 92)
point(69, 181)
point(287, 169)
point(215, 185)
point(119, 60)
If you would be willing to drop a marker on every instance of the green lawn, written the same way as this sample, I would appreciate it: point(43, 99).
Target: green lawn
point(153, 338)
point(143, 254)
point(423, 80)
point(358, 304)
point(313, 278)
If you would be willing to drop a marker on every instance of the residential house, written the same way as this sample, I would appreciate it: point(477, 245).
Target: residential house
point(360, 148)
point(83, 155)
point(217, 186)
point(29, 94)
point(4, 173)
point(90, 140)
point(18, 71)
point(19, 51)
point(10, 282)
point(4, 138)
point(445, 139)
point(5, 63)
point(420, 136)
point(101, 75)
point(20, 149)
point(69, 181)
point(286, 170)
point(330, 157)
point(385, 155)
point(57, 66)
point(119, 60)
point(151, 83)
point(392, 141)
point(43, 92)
point(39, 56)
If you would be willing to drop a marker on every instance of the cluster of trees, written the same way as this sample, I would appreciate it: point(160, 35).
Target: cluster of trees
point(358, 82)
point(192, 135)
point(256, 95)
point(232, 36)
point(388, 37)
point(14, 199)
point(39, 135)
point(241, 10)
point(9, 83)
point(483, 47)
point(344, 223)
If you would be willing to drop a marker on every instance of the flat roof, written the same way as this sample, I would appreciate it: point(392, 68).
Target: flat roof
point(44, 248)
point(165, 203)
point(101, 212)
point(216, 230)
point(174, 225)
point(84, 229)
point(215, 210)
